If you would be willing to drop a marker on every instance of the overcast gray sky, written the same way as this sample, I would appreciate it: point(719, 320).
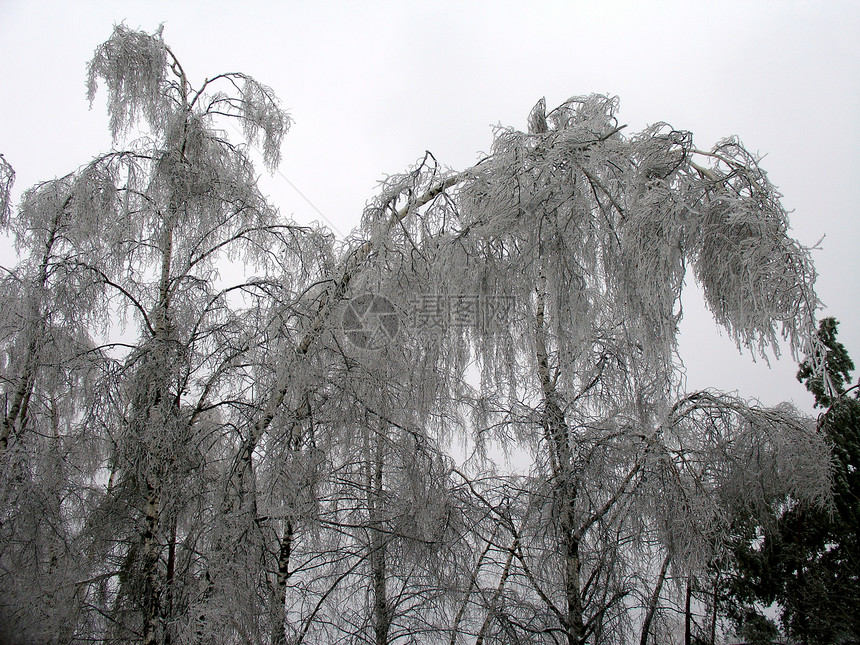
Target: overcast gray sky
point(372, 85)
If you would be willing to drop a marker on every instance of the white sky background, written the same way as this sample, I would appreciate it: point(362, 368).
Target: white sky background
point(372, 85)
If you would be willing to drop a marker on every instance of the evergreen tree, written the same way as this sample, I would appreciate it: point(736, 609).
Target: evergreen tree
point(815, 554)
point(809, 559)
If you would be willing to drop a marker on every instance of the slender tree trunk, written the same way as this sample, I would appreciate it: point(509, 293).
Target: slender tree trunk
point(381, 611)
point(491, 609)
point(25, 382)
point(654, 601)
point(570, 533)
point(573, 593)
point(473, 581)
point(381, 615)
point(157, 425)
point(169, 577)
point(151, 555)
point(558, 437)
point(285, 551)
point(16, 413)
point(802, 609)
point(687, 614)
point(714, 600)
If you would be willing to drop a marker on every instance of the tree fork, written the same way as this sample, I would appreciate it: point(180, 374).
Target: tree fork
point(36, 324)
point(352, 265)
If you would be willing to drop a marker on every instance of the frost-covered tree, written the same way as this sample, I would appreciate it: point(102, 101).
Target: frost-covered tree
point(48, 457)
point(588, 233)
point(183, 205)
point(722, 465)
point(155, 228)
point(219, 461)
point(7, 178)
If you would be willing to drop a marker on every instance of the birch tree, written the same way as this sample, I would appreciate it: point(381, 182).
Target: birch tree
point(47, 457)
point(590, 233)
point(391, 501)
point(158, 221)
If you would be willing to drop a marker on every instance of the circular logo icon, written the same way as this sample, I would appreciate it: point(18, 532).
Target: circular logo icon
point(370, 321)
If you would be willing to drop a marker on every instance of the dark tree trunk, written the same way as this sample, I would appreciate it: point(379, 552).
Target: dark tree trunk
point(653, 602)
point(687, 614)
